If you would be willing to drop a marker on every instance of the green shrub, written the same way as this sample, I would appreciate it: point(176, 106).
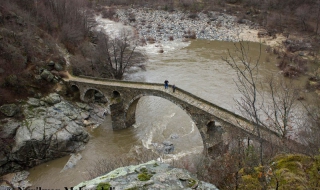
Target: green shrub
point(103, 186)
point(144, 175)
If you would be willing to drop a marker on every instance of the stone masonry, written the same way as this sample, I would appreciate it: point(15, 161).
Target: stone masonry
point(216, 125)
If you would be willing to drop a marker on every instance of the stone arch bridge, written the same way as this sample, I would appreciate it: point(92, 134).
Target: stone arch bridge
point(216, 125)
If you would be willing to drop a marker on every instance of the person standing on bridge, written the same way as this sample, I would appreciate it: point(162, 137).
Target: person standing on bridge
point(166, 84)
point(173, 88)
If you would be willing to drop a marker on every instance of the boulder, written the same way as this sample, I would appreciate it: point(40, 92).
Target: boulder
point(51, 63)
point(81, 105)
point(58, 67)
point(9, 109)
point(1, 70)
point(47, 75)
point(52, 98)
point(48, 131)
point(20, 181)
point(9, 128)
point(85, 115)
point(34, 102)
point(55, 80)
point(72, 161)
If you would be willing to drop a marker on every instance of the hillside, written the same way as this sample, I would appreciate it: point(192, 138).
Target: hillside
point(26, 50)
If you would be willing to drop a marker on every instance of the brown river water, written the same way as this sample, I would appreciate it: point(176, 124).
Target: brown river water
point(195, 66)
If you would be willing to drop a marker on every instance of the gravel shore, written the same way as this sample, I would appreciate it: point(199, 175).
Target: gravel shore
point(160, 25)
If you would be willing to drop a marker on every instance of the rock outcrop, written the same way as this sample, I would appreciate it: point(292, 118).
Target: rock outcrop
point(72, 161)
point(51, 128)
point(151, 175)
point(9, 109)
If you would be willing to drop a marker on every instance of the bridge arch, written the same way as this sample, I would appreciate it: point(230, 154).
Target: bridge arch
point(74, 87)
point(130, 108)
point(94, 95)
point(130, 113)
point(74, 91)
point(116, 94)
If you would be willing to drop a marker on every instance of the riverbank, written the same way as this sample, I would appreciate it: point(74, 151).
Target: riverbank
point(156, 26)
point(159, 25)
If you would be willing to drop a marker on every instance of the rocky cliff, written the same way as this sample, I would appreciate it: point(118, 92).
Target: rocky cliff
point(51, 128)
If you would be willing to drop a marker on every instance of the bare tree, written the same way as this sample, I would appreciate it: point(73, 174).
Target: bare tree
point(247, 84)
point(280, 110)
point(118, 53)
point(269, 105)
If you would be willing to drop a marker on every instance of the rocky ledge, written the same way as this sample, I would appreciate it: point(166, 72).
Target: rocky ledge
point(151, 175)
point(52, 127)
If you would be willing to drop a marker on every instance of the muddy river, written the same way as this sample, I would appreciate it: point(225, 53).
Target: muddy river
point(194, 66)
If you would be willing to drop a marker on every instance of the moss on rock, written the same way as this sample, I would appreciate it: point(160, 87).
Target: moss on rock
point(103, 186)
point(144, 174)
point(192, 182)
